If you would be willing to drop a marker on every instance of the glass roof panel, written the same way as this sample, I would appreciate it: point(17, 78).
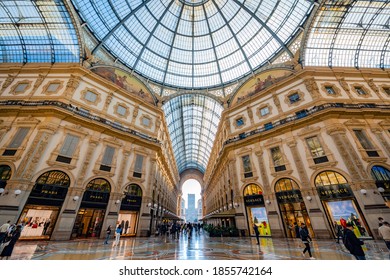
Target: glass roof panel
point(350, 34)
point(173, 37)
point(192, 123)
point(37, 31)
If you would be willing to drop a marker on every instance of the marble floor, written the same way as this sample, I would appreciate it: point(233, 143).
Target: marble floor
point(199, 247)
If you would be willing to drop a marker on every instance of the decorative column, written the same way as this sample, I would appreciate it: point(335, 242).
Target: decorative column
point(381, 138)
point(7, 83)
point(72, 85)
point(338, 135)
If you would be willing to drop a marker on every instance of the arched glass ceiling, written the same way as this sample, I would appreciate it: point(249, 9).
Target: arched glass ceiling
point(192, 121)
point(195, 44)
point(350, 34)
point(37, 31)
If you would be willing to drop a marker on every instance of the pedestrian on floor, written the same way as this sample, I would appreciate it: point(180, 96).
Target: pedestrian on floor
point(338, 231)
point(108, 234)
point(306, 239)
point(4, 230)
point(384, 232)
point(297, 229)
point(257, 233)
point(7, 251)
point(118, 233)
point(352, 243)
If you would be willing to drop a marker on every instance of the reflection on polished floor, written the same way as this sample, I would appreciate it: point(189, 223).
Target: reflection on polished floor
point(199, 247)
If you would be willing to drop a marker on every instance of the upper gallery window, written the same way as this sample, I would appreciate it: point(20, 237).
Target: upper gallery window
point(294, 98)
point(316, 150)
point(246, 161)
point(264, 111)
point(360, 90)
point(330, 90)
point(239, 121)
point(91, 96)
point(121, 110)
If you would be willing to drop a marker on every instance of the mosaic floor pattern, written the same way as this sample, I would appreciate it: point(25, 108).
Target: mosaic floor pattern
point(199, 247)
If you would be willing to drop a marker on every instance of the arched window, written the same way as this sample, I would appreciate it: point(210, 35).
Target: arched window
point(328, 178)
point(5, 174)
point(51, 185)
point(252, 189)
point(57, 178)
point(133, 189)
point(99, 185)
point(286, 184)
point(380, 174)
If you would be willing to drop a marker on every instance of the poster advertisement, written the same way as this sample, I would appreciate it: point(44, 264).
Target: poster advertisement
point(345, 211)
point(259, 218)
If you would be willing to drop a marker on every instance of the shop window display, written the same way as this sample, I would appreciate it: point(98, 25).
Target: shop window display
point(256, 211)
point(344, 212)
point(128, 221)
point(258, 215)
point(339, 202)
point(38, 222)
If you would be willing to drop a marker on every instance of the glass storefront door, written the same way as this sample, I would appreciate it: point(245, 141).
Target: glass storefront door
point(294, 214)
point(88, 223)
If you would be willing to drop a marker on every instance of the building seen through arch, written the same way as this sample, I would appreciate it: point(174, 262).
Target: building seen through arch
point(281, 112)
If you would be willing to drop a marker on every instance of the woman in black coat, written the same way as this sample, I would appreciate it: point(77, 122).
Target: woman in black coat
point(7, 251)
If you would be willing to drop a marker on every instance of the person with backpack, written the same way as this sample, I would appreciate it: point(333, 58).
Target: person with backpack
point(118, 233)
point(352, 243)
point(306, 239)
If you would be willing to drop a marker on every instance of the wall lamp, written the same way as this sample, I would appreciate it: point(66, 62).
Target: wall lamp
point(268, 202)
point(17, 192)
point(363, 191)
point(380, 190)
point(117, 202)
point(76, 197)
point(236, 205)
point(309, 198)
point(3, 192)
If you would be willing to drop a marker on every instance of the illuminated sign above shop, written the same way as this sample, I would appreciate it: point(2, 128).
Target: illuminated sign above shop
point(335, 192)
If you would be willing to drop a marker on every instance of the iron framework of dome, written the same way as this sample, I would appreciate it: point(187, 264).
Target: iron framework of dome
point(194, 44)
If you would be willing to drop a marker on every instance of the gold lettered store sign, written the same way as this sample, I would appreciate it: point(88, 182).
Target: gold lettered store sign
point(289, 196)
point(334, 192)
point(254, 200)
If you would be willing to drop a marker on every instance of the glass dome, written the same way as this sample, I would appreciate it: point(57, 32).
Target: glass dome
point(194, 44)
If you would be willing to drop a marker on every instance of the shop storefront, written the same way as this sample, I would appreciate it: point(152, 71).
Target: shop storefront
point(381, 175)
point(43, 205)
point(130, 209)
point(339, 202)
point(255, 210)
point(292, 207)
point(90, 217)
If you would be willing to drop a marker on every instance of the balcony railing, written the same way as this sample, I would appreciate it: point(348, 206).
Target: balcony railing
point(81, 113)
point(308, 113)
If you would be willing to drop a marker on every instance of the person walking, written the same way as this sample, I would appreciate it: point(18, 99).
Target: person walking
point(257, 233)
point(7, 251)
point(4, 230)
point(118, 233)
point(338, 231)
point(384, 232)
point(297, 229)
point(108, 234)
point(352, 243)
point(306, 239)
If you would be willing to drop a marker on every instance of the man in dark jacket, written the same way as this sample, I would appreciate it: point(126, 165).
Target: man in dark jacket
point(352, 243)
